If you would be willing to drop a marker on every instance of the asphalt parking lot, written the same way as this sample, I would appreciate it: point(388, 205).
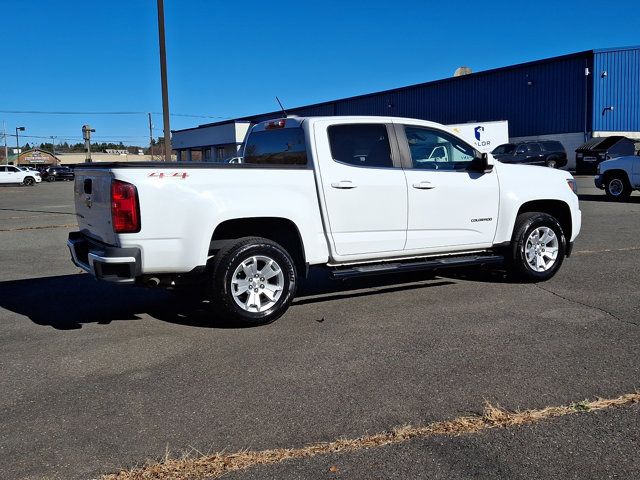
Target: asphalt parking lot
point(96, 377)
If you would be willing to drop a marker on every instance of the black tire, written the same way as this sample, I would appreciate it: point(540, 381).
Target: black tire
point(51, 178)
point(525, 224)
point(617, 187)
point(552, 163)
point(224, 266)
point(29, 181)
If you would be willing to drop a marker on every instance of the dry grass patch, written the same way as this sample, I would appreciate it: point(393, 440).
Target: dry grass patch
point(190, 467)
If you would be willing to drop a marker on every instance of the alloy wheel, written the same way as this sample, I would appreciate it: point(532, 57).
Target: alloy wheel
point(257, 283)
point(541, 249)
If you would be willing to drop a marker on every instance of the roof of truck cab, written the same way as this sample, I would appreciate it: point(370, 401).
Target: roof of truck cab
point(358, 119)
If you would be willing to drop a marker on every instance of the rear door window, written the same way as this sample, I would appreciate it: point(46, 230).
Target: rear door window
point(534, 148)
point(552, 146)
point(362, 145)
point(285, 146)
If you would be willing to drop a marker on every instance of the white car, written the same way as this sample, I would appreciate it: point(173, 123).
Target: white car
point(356, 195)
point(619, 176)
point(11, 174)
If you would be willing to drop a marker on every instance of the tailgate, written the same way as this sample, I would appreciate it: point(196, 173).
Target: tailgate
point(92, 196)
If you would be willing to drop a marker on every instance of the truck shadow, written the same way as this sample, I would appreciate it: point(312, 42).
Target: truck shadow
point(68, 302)
point(604, 198)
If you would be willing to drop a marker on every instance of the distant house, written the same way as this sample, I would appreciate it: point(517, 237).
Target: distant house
point(37, 157)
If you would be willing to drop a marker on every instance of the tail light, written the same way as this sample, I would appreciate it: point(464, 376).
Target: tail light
point(125, 211)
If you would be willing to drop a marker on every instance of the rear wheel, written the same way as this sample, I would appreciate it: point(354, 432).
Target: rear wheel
point(617, 187)
point(552, 163)
point(253, 281)
point(537, 248)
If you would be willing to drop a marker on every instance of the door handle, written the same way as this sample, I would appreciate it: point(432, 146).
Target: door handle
point(424, 185)
point(344, 184)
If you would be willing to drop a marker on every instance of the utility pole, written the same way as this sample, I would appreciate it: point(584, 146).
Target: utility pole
point(53, 145)
point(86, 134)
point(163, 75)
point(151, 135)
point(18, 129)
point(6, 150)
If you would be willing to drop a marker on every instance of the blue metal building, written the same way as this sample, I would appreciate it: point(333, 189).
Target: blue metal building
point(570, 98)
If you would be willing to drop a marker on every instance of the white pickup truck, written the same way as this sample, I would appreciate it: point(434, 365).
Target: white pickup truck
point(619, 176)
point(358, 195)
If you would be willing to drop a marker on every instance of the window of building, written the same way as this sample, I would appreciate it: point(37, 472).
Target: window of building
point(284, 146)
point(364, 145)
point(435, 150)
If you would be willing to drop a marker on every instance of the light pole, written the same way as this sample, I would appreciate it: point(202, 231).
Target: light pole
point(86, 134)
point(163, 75)
point(53, 145)
point(18, 129)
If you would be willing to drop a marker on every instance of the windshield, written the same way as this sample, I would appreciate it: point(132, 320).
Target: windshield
point(507, 148)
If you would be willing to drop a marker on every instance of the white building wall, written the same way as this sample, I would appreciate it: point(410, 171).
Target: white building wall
point(632, 135)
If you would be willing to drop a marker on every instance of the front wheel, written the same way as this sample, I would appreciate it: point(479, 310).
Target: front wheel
point(51, 178)
point(617, 188)
point(253, 281)
point(29, 181)
point(552, 163)
point(537, 248)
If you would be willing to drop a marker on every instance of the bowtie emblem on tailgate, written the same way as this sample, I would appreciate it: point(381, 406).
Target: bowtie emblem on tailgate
point(88, 201)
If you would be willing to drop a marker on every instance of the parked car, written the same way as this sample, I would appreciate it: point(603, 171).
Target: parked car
point(12, 174)
point(354, 195)
point(51, 174)
point(599, 149)
point(618, 177)
point(548, 153)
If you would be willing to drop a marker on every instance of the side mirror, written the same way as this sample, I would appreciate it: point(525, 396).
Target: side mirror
point(481, 163)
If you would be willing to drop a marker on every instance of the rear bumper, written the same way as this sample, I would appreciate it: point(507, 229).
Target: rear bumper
point(113, 264)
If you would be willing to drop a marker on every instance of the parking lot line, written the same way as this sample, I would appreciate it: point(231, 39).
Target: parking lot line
point(606, 250)
point(17, 229)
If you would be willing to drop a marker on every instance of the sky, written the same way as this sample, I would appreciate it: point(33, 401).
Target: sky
point(230, 58)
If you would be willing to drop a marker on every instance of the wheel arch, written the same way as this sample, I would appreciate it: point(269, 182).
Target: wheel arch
point(277, 229)
point(558, 209)
point(607, 174)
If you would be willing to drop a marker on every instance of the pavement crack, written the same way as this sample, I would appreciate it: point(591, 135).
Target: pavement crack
point(577, 302)
point(218, 464)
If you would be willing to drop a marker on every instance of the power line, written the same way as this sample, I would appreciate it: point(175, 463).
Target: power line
point(75, 136)
point(43, 112)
